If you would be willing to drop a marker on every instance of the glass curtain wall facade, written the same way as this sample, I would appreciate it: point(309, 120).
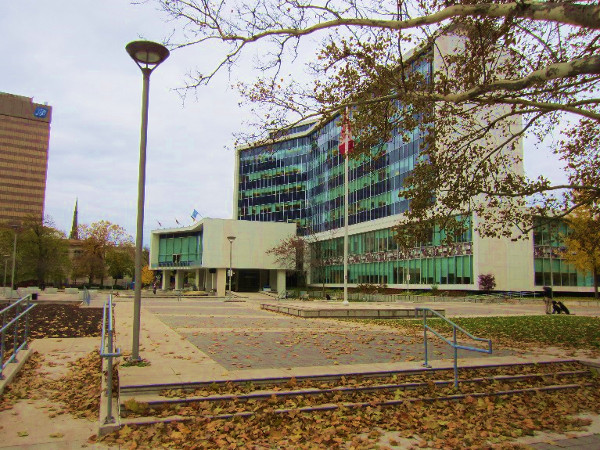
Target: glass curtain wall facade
point(375, 182)
point(180, 250)
point(550, 268)
point(301, 179)
point(273, 181)
point(375, 258)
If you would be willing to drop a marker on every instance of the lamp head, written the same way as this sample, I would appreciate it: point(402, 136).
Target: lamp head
point(147, 54)
point(231, 238)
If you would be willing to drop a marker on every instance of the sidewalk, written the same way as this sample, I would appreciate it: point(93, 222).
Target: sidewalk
point(37, 423)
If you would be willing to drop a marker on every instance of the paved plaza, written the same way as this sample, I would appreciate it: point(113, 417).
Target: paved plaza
point(206, 339)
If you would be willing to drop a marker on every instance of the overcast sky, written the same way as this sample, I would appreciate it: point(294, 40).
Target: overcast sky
point(71, 54)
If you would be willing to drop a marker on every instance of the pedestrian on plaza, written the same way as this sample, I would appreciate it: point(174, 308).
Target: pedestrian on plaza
point(548, 299)
point(563, 308)
point(555, 308)
point(154, 288)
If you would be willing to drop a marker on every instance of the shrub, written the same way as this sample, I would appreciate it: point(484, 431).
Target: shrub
point(487, 282)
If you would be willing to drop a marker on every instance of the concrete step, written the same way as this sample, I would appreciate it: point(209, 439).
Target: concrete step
point(228, 400)
point(156, 389)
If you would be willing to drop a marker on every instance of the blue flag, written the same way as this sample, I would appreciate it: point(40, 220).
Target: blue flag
point(194, 215)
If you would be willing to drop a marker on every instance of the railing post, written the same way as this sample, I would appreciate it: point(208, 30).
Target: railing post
point(109, 374)
point(426, 364)
point(26, 333)
point(108, 343)
point(3, 335)
point(455, 357)
point(16, 332)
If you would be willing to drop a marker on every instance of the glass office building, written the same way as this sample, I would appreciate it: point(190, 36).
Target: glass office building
point(550, 268)
point(299, 178)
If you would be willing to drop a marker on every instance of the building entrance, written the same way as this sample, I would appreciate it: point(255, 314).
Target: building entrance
point(248, 280)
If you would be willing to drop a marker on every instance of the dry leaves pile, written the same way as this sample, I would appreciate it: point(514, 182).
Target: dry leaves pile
point(79, 389)
point(467, 423)
point(25, 385)
point(471, 423)
point(77, 392)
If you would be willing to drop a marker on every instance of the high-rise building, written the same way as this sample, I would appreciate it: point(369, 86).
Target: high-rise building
point(24, 140)
point(299, 177)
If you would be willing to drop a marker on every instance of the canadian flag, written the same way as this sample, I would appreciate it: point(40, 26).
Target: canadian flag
point(346, 141)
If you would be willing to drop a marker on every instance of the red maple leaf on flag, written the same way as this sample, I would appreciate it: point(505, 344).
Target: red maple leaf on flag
point(346, 141)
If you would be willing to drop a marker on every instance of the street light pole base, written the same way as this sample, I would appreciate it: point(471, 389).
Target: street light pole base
point(346, 303)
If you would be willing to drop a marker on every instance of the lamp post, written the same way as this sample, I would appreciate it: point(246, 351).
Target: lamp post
point(147, 55)
point(5, 266)
point(14, 259)
point(230, 239)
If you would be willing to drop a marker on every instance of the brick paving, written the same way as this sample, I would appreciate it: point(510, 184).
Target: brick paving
point(250, 338)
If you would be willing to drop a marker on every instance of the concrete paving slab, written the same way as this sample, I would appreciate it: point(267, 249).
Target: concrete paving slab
point(29, 425)
point(200, 346)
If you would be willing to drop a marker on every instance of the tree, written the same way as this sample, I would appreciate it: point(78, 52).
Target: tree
point(290, 254)
point(147, 275)
point(582, 244)
point(98, 239)
point(42, 251)
point(487, 282)
point(511, 70)
point(120, 262)
point(303, 253)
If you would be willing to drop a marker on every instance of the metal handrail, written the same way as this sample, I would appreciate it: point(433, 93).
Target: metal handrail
point(454, 344)
point(107, 351)
point(17, 347)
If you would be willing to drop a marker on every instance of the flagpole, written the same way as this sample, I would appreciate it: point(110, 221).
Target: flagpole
point(345, 302)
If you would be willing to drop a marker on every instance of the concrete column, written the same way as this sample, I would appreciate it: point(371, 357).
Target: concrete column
point(264, 279)
point(210, 278)
point(273, 279)
point(281, 287)
point(197, 282)
point(221, 282)
point(179, 279)
point(166, 278)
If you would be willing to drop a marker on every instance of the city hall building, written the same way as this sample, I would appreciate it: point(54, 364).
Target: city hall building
point(24, 140)
point(298, 179)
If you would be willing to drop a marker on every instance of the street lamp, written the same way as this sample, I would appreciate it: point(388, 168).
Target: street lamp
point(230, 239)
point(147, 55)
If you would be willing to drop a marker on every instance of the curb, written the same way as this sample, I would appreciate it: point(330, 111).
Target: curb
point(12, 369)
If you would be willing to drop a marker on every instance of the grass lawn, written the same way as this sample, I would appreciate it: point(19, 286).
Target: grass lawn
point(549, 330)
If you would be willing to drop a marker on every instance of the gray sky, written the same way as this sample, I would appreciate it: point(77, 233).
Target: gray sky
point(71, 54)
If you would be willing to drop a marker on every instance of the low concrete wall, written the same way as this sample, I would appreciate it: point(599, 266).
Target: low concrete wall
point(340, 313)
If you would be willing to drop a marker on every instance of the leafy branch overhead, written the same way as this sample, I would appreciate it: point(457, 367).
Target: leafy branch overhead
point(482, 83)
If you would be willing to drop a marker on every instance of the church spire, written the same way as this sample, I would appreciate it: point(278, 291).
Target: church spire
point(74, 233)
